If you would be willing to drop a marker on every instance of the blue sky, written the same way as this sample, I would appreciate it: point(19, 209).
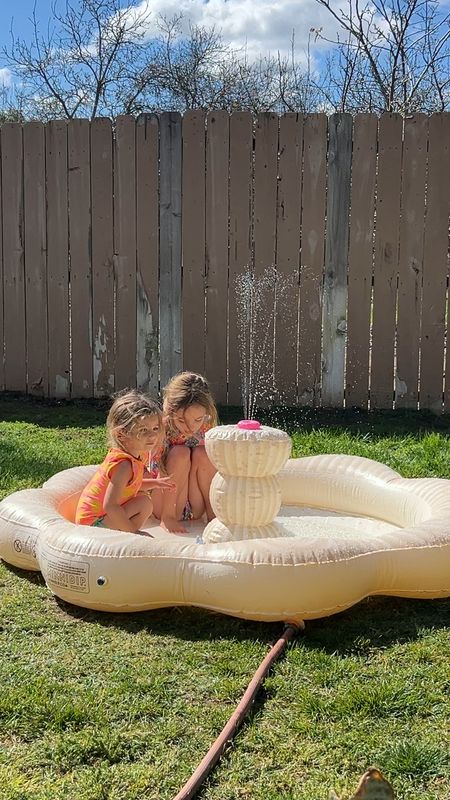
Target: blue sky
point(21, 10)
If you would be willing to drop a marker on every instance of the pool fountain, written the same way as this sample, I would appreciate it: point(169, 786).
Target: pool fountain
point(245, 492)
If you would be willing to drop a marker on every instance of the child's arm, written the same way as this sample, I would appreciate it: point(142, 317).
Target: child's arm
point(164, 483)
point(119, 477)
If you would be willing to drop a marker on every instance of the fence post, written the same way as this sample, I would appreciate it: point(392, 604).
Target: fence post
point(102, 246)
point(147, 229)
point(360, 260)
point(170, 245)
point(56, 163)
point(336, 255)
point(79, 192)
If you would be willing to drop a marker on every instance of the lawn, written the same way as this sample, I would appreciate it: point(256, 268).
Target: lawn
point(119, 707)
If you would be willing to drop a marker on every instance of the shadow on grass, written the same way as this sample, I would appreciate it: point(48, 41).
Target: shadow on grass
point(29, 575)
point(357, 422)
point(53, 413)
point(91, 413)
point(376, 622)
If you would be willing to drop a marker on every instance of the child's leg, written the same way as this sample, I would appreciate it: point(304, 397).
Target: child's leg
point(196, 500)
point(138, 510)
point(169, 506)
point(178, 467)
point(201, 475)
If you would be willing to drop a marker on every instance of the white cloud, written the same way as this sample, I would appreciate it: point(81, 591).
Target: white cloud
point(262, 26)
point(5, 77)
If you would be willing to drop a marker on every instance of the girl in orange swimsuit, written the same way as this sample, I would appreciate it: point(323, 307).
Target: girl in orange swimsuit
point(117, 496)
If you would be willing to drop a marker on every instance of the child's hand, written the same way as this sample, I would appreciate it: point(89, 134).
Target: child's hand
point(165, 484)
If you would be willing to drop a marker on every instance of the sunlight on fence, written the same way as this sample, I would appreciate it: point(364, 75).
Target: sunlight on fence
point(121, 247)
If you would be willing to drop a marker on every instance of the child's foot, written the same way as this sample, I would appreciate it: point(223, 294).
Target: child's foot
point(173, 525)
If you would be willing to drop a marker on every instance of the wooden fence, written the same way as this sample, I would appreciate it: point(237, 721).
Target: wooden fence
point(119, 251)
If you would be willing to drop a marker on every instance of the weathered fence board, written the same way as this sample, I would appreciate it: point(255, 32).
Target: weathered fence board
point(334, 312)
point(102, 257)
point(147, 252)
point(194, 242)
point(170, 246)
point(57, 259)
point(386, 260)
point(13, 258)
point(217, 149)
point(265, 187)
point(121, 247)
point(435, 263)
point(35, 252)
point(80, 257)
point(312, 259)
point(125, 251)
point(240, 242)
point(288, 256)
point(264, 253)
point(360, 259)
point(410, 266)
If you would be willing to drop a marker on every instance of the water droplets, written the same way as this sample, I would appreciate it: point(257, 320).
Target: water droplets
point(257, 300)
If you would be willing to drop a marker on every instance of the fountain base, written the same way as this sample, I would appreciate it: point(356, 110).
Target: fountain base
point(217, 531)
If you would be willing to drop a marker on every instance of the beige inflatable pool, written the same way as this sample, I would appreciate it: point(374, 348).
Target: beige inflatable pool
point(347, 527)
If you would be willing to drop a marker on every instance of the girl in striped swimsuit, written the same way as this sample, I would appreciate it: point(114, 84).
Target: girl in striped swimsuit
point(189, 411)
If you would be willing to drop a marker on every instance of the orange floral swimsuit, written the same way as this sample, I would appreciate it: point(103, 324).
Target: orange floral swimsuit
point(90, 510)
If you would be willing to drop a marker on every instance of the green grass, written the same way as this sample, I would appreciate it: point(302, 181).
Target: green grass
point(119, 707)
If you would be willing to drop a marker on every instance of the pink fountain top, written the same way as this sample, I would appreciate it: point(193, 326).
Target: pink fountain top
point(249, 425)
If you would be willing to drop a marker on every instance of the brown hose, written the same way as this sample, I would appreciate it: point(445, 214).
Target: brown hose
point(192, 786)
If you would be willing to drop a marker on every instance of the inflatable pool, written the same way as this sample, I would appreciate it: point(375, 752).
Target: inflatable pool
point(303, 541)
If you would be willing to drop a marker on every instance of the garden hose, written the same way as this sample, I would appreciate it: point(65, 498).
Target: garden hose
point(192, 786)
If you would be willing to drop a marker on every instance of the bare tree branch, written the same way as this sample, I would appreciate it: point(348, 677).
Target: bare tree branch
point(397, 54)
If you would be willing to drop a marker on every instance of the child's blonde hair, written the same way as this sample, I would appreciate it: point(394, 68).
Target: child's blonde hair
point(188, 389)
point(128, 407)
